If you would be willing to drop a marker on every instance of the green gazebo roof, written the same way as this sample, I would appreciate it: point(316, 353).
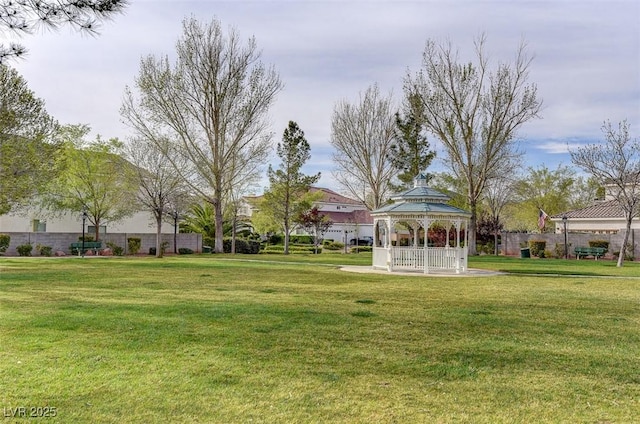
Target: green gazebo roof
point(420, 200)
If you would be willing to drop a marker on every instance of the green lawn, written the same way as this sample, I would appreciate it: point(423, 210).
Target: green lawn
point(212, 338)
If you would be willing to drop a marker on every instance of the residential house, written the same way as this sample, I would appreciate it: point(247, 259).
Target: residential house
point(351, 218)
point(602, 217)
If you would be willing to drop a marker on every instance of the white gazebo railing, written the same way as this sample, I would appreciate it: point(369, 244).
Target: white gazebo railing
point(424, 259)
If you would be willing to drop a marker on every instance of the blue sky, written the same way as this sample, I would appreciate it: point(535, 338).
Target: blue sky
point(586, 66)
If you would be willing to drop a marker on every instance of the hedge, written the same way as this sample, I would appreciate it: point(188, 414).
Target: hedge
point(334, 245)
point(242, 246)
point(134, 244)
point(292, 249)
point(358, 249)
point(300, 239)
point(599, 243)
point(537, 247)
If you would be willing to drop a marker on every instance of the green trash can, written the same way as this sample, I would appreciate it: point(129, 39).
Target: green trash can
point(525, 253)
point(206, 249)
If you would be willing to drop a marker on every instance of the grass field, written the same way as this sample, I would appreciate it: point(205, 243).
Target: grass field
point(215, 339)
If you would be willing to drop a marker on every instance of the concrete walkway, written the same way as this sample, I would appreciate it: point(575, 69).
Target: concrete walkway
point(471, 272)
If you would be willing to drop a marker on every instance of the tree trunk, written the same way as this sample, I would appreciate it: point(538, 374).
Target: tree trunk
point(158, 235)
point(175, 233)
point(233, 234)
point(97, 230)
point(472, 229)
point(286, 237)
point(218, 230)
point(625, 241)
point(495, 243)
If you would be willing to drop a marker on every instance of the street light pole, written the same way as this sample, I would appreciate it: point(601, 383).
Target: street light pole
point(84, 220)
point(566, 247)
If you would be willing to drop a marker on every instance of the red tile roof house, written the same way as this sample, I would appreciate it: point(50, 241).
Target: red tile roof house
point(351, 219)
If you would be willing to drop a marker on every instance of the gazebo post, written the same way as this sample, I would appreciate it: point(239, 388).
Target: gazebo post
point(416, 229)
point(427, 224)
point(446, 244)
point(389, 246)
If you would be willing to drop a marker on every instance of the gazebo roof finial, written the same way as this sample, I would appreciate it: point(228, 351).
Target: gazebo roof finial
point(420, 180)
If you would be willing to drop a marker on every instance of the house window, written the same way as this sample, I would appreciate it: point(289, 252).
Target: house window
point(39, 226)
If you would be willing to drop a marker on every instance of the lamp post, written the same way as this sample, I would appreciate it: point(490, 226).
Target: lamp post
point(84, 220)
point(566, 247)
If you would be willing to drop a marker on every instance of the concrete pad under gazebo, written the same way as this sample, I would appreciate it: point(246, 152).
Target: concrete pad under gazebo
point(418, 209)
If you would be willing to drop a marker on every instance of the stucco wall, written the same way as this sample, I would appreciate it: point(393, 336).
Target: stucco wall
point(62, 241)
point(139, 222)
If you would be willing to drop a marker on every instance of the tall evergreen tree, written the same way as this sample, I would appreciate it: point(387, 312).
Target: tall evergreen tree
point(288, 186)
point(410, 153)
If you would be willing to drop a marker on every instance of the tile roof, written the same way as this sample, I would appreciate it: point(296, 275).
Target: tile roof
point(608, 209)
point(330, 196)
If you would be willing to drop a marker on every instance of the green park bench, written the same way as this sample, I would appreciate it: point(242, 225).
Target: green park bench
point(596, 252)
point(76, 248)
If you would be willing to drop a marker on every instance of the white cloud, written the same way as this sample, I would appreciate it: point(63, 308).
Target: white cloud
point(586, 66)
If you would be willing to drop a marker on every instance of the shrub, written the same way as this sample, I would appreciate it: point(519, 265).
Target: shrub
point(361, 249)
point(185, 251)
point(208, 241)
point(242, 246)
point(24, 249)
point(300, 239)
point(628, 256)
point(599, 243)
point(44, 250)
point(4, 242)
point(134, 244)
point(117, 250)
point(86, 238)
point(334, 245)
point(558, 250)
point(537, 247)
point(163, 248)
point(276, 239)
point(547, 254)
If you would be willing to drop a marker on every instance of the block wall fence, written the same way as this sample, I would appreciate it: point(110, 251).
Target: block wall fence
point(62, 241)
point(511, 242)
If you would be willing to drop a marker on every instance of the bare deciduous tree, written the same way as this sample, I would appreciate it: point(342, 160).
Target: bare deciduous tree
point(212, 104)
point(158, 183)
point(615, 164)
point(362, 135)
point(23, 16)
point(474, 112)
point(497, 196)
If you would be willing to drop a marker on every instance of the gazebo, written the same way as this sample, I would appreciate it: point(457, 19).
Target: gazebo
point(414, 212)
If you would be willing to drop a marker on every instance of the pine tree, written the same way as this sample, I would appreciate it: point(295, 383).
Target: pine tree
point(288, 186)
